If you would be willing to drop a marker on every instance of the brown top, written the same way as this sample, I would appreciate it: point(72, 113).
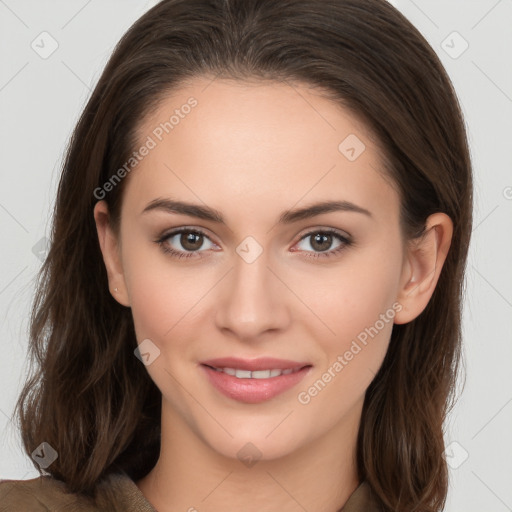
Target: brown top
point(117, 492)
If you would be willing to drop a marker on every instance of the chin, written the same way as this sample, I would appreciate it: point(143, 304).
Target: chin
point(253, 441)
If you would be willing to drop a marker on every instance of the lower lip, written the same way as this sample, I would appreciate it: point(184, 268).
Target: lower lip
point(253, 391)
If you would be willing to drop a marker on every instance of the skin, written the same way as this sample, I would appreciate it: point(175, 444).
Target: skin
point(251, 151)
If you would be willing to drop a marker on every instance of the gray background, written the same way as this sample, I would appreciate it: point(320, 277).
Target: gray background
point(40, 101)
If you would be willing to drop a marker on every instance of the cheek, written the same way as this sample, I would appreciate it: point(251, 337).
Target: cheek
point(164, 300)
point(351, 297)
point(351, 357)
point(161, 292)
point(357, 306)
point(369, 293)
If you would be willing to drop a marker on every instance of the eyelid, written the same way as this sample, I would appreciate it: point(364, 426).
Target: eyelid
point(187, 229)
point(342, 235)
point(344, 238)
point(324, 229)
point(306, 232)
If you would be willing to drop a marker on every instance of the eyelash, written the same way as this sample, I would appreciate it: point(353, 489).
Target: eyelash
point(346, 242)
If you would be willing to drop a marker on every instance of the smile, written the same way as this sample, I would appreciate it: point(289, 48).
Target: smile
point(253, 381)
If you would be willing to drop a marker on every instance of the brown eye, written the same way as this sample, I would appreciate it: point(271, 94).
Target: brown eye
point(185, 243)
point(191, 241)
point(321, 243)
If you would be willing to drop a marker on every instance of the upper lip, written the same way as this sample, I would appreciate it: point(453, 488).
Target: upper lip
point(262, 363)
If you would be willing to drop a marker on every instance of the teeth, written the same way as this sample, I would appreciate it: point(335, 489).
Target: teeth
point(257, 374)
point(260, 374)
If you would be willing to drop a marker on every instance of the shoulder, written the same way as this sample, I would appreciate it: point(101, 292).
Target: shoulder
point(114, 492)
point(362, 499)
point(39, 494)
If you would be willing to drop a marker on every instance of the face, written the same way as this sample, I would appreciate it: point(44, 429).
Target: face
point(318, 290)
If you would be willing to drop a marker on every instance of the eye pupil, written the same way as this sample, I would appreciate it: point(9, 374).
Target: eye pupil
point(320, 239)
point(189, 241)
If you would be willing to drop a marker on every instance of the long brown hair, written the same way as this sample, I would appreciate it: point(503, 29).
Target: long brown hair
point(88, 396)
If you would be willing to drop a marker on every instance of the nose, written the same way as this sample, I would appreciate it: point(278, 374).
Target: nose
point(252, 300)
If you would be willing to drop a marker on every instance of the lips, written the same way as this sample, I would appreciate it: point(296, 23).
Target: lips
point(253, 380)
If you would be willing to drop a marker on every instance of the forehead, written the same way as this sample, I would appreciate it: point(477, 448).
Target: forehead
point(231, 142)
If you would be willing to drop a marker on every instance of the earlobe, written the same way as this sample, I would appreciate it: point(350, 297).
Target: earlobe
point(110, 251)
point(424, 261)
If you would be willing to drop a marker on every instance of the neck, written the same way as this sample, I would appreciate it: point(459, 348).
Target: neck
point(190, 475)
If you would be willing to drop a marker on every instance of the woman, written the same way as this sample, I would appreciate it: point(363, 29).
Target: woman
point(253, 294)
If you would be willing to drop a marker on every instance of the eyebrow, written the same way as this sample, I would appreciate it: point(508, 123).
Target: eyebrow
point(286, 217)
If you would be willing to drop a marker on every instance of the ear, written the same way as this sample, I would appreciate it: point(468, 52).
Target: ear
point(110, 249)
point(424, 259)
